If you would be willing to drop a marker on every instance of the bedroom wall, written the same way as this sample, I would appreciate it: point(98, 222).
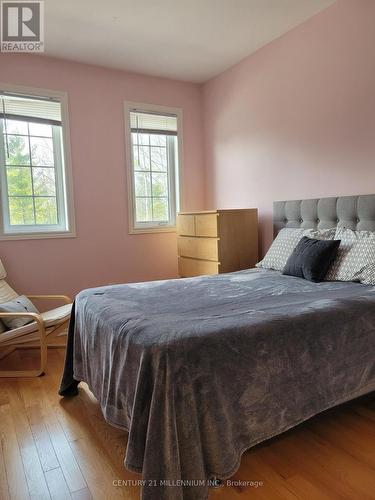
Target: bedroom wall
point(103, 251)
point(297, 118)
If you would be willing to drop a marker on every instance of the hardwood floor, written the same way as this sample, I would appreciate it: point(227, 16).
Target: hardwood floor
point(63, 449)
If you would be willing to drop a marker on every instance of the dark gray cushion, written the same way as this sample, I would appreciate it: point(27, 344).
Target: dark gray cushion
point(311, 259)
point(20, 304)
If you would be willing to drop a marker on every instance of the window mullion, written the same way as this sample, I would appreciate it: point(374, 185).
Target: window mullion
point(31, 172)
point(151, 183)
point(59, 176)
point(171, 178)
point(4, 209)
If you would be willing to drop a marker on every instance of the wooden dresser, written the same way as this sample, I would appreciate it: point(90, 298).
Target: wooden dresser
point(217, 241)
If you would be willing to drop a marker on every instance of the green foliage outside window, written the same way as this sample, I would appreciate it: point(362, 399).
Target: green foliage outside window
point(31, 180)
point(151, 177)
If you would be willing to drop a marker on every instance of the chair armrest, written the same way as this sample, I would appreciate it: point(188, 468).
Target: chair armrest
point(34, 316)
point(40, 330)
point(64, 298)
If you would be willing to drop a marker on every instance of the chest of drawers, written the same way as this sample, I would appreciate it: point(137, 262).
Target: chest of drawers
point(218, 241)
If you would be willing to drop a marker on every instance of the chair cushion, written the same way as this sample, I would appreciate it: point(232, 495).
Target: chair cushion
point(6, 292)
point(19, 304)
point(54, 316)
point(3, 273)
point(51, 318)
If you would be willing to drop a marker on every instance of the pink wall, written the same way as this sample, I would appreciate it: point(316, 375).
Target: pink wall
point(297, 118)
point(103, 251)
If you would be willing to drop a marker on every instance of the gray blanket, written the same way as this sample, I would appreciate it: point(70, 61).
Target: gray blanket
point(199, 370)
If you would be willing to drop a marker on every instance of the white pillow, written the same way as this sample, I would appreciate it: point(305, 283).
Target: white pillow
point(286, 241)
point(355, 259)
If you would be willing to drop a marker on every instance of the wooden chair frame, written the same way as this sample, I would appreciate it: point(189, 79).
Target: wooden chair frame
point(38, 338)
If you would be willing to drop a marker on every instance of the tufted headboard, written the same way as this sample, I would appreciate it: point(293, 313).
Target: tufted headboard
point(353, 212)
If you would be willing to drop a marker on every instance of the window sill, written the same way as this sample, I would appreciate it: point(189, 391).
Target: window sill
point(169, 229)
point(37, 236)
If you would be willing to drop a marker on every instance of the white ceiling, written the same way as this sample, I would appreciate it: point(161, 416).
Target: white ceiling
point(191, 40)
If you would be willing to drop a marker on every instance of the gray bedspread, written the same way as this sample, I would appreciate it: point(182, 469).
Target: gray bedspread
point(199, 370)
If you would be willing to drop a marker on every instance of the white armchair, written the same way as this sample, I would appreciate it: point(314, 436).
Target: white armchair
point(45, 329)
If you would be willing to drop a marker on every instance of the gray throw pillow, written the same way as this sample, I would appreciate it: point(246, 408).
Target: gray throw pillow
point(20, 304)
point(311, 259)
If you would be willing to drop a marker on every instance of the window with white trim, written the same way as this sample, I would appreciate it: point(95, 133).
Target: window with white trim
point(34, 191)
point(154, 178)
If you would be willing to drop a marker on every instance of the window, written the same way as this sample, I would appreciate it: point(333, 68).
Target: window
point(35, 188)
point(153, 140)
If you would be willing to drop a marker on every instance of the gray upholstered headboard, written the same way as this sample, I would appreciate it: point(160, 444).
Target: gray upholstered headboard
point(353, 212)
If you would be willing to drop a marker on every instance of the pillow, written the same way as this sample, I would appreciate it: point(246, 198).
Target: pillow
point(19, 304)
point(286, 241)
point(356, 257)
point(311, 259)
point(3, 328)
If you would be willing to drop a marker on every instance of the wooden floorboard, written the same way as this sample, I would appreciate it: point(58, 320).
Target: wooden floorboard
point(60, 449)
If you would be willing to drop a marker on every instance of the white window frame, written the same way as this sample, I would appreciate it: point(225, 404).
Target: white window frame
point(64, 170)
point(152, 227)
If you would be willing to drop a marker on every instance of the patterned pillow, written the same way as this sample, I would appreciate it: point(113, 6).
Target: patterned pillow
point(355, 260)
point(286, 241)
point(321, 234)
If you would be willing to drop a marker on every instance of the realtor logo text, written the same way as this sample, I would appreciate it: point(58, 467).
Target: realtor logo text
point(22, 26)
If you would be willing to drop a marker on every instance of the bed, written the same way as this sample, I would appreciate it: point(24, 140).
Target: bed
point(198, 370)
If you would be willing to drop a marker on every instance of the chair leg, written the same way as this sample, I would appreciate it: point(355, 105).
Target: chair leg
point(29, 373)
point(21, 373)
point(43, 357)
